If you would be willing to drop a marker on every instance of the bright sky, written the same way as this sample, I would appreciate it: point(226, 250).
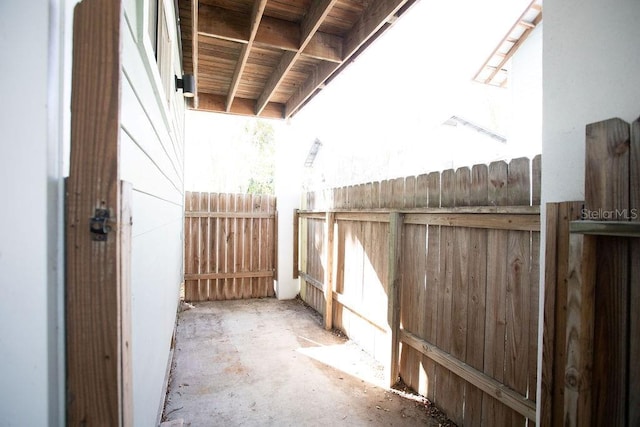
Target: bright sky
point(396, 94)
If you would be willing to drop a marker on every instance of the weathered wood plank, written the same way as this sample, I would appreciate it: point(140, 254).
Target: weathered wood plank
point(487, 384)
point(445, 297)
point(97, 390)
point(397, 193)
point(567, 212)
point(427, 288)
point(254, 263)
point(212, 261)
point(229, 275)
point(412, 268)
point(394, 283)
point(237, 246)
point(329, 267)
point(422, 191)
point(518, 287)
point(430, 307)
point(434, 284)
point(221, 250)
point(607, 188)
point(579, 336)
point(536, 180)
point(247, 291)
point(202, 291)
point(534, 295)
point(273, 244)
point(460, 292)
point(434, 190)
point(477, 294)
point(607, 165)
point(227, 247)
point(549, 315)
point(498, 176)
point(496, 309)
point(634, 279)
point(355, 215)
point(192, 251)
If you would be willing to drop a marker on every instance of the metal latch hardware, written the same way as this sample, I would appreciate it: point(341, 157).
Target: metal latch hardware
point(98, 225)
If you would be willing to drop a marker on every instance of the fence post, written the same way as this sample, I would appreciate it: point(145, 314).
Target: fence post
point(393, 308)
point(329, 269)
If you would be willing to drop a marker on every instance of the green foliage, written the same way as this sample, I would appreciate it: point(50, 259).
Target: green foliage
point(261, 136)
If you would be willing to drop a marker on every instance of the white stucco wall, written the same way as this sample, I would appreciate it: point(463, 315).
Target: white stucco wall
point(525, 79)
point(31, 275)
point(290, 155)
point(590, 69)
point(591, 64)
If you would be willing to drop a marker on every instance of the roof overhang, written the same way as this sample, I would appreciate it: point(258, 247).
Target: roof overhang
point(268, 58)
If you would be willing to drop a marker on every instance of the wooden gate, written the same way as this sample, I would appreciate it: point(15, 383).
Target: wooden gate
point(230, 246)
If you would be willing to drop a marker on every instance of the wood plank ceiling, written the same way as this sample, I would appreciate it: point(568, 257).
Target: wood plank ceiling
point(268, 58)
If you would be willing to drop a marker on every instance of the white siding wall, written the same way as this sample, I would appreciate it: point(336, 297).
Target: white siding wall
point(152, 159)
point(30, 213)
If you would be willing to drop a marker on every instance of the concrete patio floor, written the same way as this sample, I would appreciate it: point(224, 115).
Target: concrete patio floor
point(266, 362)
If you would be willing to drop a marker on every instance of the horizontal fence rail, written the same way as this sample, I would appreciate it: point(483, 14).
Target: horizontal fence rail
point(230, 242)
point(437, 276)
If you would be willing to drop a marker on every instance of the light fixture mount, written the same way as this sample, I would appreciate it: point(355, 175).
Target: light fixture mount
point(188, 85)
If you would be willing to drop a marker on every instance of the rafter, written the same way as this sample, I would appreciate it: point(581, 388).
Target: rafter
point(310, 24)
point(272, 33)
point(378, 15)
point(241, 106)
point(249, 60)
point(256, 16)
point(510, 43)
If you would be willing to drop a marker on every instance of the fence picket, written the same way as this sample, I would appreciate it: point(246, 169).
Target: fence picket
point(468, 291)
point(495, 324)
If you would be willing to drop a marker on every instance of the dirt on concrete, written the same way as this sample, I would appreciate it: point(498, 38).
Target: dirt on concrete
point(265, 362)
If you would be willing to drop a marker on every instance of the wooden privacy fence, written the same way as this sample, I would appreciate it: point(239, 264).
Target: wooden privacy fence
point(230, 246)
point(436, 275)
point(591, 338)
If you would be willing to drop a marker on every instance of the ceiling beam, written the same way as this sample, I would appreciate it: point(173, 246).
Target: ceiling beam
point(256, 16)
point(272, 33)
point(241, 106)
point(194, 48)
point(310, 24)
point(377, 15)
